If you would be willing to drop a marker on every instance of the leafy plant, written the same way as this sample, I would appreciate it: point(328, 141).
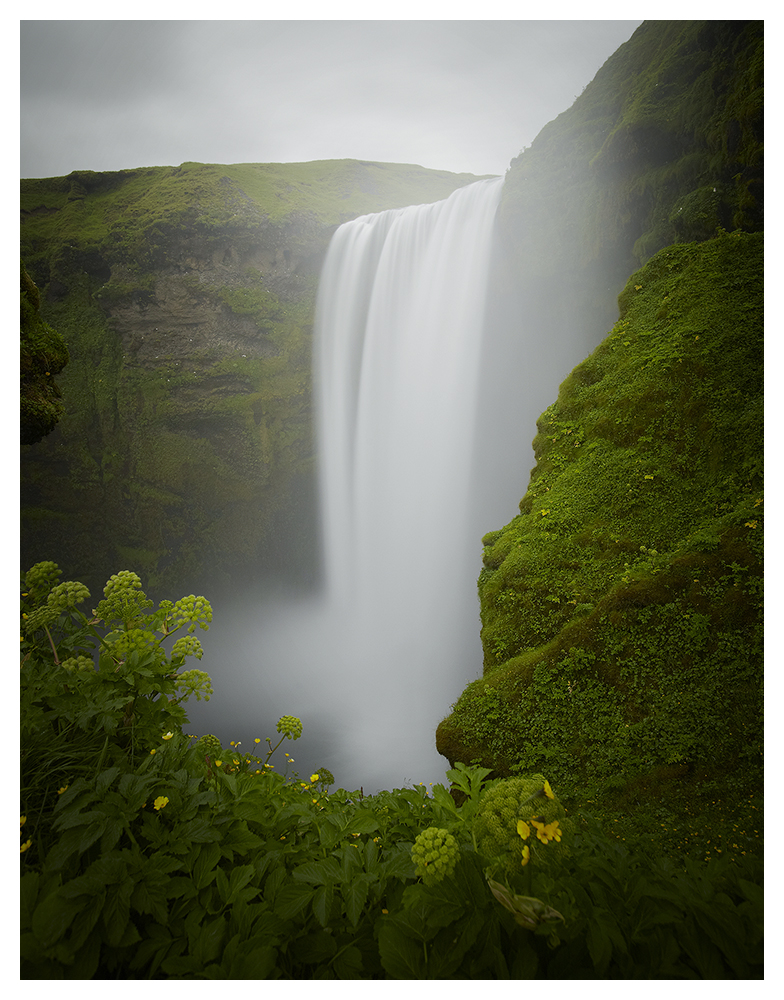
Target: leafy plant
point(148, 855)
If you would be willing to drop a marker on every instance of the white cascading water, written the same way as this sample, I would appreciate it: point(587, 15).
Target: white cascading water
point(373, 662)
point(398, 340)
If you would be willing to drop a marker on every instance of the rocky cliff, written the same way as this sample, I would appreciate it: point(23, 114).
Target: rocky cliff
point(186, 298)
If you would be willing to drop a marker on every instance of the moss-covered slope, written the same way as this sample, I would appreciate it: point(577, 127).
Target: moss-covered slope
point(622, 608)
point(186, 297)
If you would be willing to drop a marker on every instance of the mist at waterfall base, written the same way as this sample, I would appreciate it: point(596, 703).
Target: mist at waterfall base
point(427, 396)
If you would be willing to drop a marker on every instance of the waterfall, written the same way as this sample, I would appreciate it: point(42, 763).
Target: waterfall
point(375, 659)
point(397, 350)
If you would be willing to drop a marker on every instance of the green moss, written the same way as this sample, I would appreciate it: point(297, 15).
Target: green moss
point(42, 355)
point(621, 610)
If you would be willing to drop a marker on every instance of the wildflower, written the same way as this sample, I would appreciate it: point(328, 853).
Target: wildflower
point(218, 763)
point(61, 790)
point(152, 751)
point(161, 802)
point(22, 821)
point(167, 736)
point(548, 791)
point(257, 741)
point(314, 777)
point(523, 829)
point(25, 845)
point(526, 856)
point(547, 831)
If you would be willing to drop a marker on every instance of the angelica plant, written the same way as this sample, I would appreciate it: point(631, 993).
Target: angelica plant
point(110, 671)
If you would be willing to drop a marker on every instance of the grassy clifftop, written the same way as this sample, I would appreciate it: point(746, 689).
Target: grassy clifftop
point(621, 609)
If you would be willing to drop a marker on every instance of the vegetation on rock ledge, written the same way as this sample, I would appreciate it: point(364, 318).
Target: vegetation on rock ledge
point(622, 608)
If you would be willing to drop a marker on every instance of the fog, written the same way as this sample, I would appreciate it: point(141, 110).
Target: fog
point(465, 96)
point(372, 683)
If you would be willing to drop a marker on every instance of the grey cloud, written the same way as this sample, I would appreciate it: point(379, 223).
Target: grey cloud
point(455, 95)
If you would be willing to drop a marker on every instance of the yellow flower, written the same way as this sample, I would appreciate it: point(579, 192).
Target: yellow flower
point(160, 802)
point(61, 790)
point(314, 777)
point(22, 821)
point(167, 736)
point(548, 791)
point(25, 845)
point(257, 741)
point(526, 856)
point(547, 832)
point(218, 763)
point(523, 829)
point(152, 751)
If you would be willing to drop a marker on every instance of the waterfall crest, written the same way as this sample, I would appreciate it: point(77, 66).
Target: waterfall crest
point(397, 350)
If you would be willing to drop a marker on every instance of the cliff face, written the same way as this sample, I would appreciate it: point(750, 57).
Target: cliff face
point(186, 298)
point(621, 609)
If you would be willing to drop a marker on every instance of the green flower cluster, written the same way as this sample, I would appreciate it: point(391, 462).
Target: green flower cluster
point(67, 595)
point(40, 579)
point(188, 645)
point(504, 805)
point(210, 746)
point(76, 664)
point(325, 777)
point(194, 682)
point(63, 596)
point(139, 641)
point(435, 853)
point(196, 610)
point(124, 600)
point(290, 726)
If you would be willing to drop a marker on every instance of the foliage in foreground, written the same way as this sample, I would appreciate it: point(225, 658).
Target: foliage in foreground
point(146, 856)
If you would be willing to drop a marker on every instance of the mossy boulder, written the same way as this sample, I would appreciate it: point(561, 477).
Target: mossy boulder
point(622, 608)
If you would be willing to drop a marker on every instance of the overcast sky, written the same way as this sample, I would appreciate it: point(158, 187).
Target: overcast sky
point(451, 95)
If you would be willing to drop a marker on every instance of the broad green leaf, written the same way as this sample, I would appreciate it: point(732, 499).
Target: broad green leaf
point(240, 876)
point(322, 903)
point(292, 899)
point(104, 780)
point(348, 963)
point(52, 918)
point(205, 867)
point(318, 872)
point(355, 895)
point(401, 956)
